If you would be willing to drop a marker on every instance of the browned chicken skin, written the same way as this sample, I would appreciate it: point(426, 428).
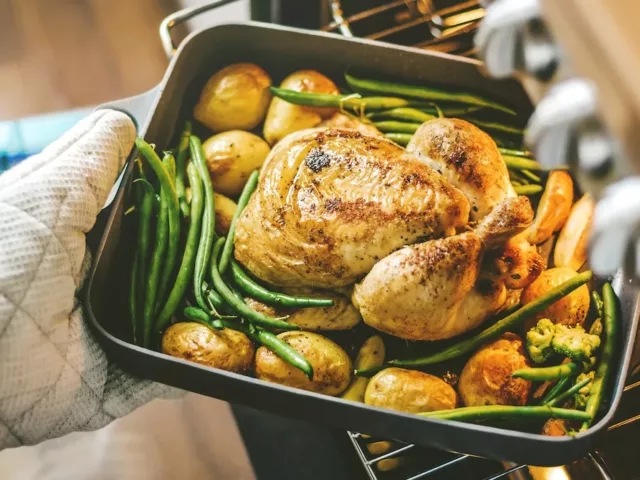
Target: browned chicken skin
point(331, 203)
point(430, 290)
point(468, 158)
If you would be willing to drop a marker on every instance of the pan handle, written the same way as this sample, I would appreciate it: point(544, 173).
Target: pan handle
point(182, 16)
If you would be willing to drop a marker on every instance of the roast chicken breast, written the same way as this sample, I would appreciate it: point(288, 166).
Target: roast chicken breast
point(468, 158)
point(432, 290)
point(331, 203)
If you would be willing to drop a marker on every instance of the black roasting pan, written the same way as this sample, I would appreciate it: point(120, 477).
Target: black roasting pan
point(279, 50)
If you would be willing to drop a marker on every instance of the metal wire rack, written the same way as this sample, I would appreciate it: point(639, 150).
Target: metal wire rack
point(444, 25)
point(394, 460)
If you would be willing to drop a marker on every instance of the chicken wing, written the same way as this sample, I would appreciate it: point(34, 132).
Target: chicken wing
point(330, 203)
point(432, 290)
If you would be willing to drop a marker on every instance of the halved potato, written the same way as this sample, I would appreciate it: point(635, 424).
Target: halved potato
point(409, 391)
point(570, 310)
point(571, 247)
point(486, 378)
point(554, 207)
point(232, 157)
point(236, 97)
point(284, 118)
point(225, 349)
point(331, 364)
point(371, 355)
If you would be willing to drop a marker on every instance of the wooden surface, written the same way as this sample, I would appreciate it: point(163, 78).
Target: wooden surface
point(603, 41)
point(61, 54)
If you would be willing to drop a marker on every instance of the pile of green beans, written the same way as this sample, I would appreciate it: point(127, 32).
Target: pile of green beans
point(152, 307)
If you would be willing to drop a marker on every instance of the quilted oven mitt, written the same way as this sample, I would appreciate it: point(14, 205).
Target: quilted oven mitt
point(54, 377)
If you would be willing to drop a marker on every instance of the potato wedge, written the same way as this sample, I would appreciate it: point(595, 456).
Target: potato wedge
point(554, 207)
point(231, 157)
point(235, 97)
point(571, 247)
point(371, 355)
point(486, 378)
point(409, 391)
point(225, 208)
point(570, 310)
point(331, 364)
point(225, 349)
point(284, 118)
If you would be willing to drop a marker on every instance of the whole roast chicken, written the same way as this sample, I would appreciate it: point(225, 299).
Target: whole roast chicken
point(330, 203)
point(335, 206)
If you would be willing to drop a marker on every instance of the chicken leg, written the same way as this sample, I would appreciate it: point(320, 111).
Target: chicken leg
point(431, 290)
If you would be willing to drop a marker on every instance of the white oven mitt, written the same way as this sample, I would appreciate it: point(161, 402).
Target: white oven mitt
point(54, 377)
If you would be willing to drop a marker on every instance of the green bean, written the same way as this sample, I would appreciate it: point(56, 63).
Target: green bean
point(363, 86)
point(258, 335)
point(563, 396)
point(257, 291)
point(557, 388)
point(404, 114)
point(490, 412)
point(144, 232)
point(539, 374)
point(495, 126)
point(173, 209)
point(285, 351)
point(157, 258)
point(133, 298)
point(198, 315)
point(519, 163)
point(515, 153)
point(506, 324)
point(238, 305)
point(531, 176)
point(187, 265)
point(602, 372)
point(181, 160)
point(401, 139)
point(598, 303)
point(390, 126)
point(528, 189)
point(346, 102)
point(207, 234)
point(438, 110)
point(450, 110)
point(227, 251)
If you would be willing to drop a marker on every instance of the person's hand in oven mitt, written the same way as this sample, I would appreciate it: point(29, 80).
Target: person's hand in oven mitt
point(54, 377)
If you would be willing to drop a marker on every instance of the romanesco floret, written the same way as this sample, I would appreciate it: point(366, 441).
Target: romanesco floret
point(539, 341)
point(574, 342)
point(582, 395)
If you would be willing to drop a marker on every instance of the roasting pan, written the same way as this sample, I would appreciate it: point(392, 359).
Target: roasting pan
point(280, 50)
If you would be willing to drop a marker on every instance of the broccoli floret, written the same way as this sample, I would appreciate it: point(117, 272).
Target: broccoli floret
point(539, 341)
point(582, 395)
point(574, 342)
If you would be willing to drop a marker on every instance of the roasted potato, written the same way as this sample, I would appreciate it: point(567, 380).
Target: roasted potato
point(231, 157)
point(554, 207)
point(331, 364)
point(284, 118)
point(371, 355)
point(409, 391)
point(486, 378)
point(570, 310)
point(236, 97)
point(571, 247)
point(341, 316)
point(225, 208)
point(519, 262)
point(225, 349)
